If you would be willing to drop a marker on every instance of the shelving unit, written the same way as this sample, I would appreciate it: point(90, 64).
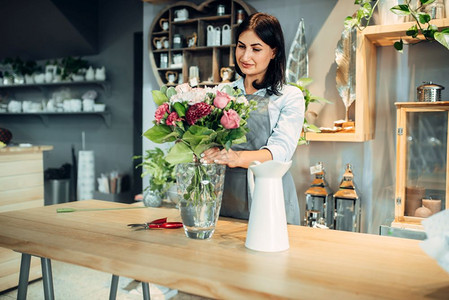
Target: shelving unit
point(44, 116)
point(44, 88)
point(367, 42)
point(422, 169)
point(209, 59)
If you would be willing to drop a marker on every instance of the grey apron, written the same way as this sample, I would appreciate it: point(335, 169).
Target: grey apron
point(236, 196)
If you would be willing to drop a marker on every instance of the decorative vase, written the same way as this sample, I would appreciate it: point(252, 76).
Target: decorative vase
point(200, 187)
point(152, 198)
point(385, 15)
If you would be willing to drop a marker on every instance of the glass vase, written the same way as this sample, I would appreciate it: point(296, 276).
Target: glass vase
point(200, 187)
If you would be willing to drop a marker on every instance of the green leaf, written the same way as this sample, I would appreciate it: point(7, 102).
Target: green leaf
point(198, 134)
point(160, 134)
point(304, 81)
point(227, 89)
point(311, 127)
point(170, 92)
point(399, 45)
point(319, 99)
point(302, 141)
point(425, 2)
point(443, 37)
point(180, 109)
point(159, 97)
point(163, 89)
point(423, 18)
point(412, 31)
point(179, 153)
point(400, 10)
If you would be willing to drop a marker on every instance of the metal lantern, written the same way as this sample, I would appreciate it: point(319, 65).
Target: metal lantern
point(347, 204)
point(319, 201)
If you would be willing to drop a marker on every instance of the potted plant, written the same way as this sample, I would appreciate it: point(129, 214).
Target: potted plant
point(162, 175)
point(422, 26)
point(73, 67)
point(302, 84)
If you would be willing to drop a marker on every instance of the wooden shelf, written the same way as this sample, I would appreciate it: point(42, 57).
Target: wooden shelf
point(209, 59)
point(336, 137)
point(366, 54)
point(387, 35)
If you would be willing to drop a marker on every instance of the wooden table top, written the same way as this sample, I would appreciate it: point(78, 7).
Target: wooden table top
point(30, 149)
point(319, 264)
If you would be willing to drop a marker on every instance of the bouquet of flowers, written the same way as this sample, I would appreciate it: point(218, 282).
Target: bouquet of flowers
point(197, 119)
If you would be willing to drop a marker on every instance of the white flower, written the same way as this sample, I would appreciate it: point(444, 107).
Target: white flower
point(193, 96)
point(242, 99)
point(183, 88)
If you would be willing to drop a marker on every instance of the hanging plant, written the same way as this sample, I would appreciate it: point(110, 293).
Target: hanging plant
point(423, 27)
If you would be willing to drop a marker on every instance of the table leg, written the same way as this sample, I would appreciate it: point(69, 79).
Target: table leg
point(23, 277)
point(114, 284)
point(47, 279)
point(146, 290)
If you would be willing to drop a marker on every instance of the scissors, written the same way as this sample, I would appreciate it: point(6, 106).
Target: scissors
point(158, 223)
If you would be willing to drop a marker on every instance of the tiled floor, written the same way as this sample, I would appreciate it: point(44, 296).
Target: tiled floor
point(78, 283)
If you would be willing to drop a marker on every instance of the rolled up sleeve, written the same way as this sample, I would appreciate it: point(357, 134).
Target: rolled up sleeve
point(287, 117)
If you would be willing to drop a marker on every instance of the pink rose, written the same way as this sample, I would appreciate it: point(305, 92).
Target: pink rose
point(160, 112)
point(172, 118)
point(221, 100)
point(230, 119)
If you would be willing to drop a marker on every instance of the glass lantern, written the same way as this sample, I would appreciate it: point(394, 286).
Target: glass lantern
point(319, 201)
point(347, 204)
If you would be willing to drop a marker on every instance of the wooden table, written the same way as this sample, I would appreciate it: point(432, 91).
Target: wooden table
point(320, 264)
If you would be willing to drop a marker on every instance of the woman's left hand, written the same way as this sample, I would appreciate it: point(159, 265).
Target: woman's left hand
point(222, 157)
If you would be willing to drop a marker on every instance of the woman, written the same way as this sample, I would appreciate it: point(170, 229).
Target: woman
point(275, 126)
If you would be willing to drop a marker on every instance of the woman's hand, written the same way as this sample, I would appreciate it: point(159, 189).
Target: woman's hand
point(234, 159)
point(229, 157)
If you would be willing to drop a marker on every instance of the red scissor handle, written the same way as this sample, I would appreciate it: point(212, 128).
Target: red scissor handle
point(167, 225)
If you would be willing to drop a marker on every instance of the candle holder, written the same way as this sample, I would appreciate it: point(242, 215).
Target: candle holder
point(319, 201)
point(347, 204)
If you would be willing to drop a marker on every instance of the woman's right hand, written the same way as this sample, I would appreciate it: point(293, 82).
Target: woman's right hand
point(230, 158)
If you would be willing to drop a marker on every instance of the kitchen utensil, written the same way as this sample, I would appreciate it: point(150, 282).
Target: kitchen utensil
point(429, 92)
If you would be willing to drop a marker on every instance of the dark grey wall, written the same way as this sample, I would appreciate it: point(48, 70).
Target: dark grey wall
point(113, 146)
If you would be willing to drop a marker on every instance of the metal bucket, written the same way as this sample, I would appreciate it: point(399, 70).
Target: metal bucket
point(429, 92)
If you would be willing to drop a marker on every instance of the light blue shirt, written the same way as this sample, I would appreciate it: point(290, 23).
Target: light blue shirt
point(286, 120)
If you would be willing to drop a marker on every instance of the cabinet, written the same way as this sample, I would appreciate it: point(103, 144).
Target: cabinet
point(178, 39)
point(367, 42)
point(21, 187)
point(421, 161)
point(22, 92)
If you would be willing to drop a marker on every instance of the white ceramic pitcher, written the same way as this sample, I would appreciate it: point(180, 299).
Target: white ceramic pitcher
point(267, 225)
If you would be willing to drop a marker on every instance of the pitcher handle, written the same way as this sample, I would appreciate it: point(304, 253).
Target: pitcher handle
point(250, 176)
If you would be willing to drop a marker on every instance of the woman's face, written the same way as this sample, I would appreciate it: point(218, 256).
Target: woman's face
point(253, 55)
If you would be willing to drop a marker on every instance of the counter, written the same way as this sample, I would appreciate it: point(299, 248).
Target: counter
point(21, 186)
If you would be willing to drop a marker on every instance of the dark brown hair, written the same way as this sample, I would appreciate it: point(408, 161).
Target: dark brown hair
point(268, 29)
